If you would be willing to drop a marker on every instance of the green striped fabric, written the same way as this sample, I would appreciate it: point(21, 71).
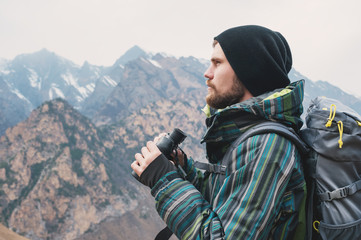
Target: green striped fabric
point(264, 188)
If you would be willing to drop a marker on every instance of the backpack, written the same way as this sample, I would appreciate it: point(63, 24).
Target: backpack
point(333, 169)
point(330, 146)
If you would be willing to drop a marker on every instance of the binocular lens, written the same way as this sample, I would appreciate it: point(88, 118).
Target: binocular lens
point(177, 136)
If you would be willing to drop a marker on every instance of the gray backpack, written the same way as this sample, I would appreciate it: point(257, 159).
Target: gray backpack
point(332, 163)
point(333, 166)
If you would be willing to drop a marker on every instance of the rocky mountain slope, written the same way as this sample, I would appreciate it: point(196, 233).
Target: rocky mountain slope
point(147, 80)
point(60, 176)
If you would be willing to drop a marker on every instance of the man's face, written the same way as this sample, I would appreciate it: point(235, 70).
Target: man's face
point(224, 88)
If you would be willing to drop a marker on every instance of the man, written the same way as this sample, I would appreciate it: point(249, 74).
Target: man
point(263, 189)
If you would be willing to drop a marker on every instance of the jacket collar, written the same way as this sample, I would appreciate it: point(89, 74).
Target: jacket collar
point(281, 105)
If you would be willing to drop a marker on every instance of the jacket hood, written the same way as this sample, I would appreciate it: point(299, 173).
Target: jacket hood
point(281, 105)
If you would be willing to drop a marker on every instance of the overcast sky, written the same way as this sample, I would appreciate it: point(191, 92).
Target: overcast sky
point(324, 35)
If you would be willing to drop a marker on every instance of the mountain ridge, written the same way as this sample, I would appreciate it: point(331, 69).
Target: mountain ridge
point(30, 79)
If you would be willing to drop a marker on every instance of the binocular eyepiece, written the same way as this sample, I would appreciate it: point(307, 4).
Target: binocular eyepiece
point(169, 143)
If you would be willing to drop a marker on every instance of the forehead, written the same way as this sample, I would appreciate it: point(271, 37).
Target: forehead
point(218, 52)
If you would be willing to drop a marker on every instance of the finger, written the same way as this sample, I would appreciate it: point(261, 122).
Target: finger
point(152, 147)
point(136, 168)
point(139, 158)
point(180, 157)
point(145, 151)
point(157, 138)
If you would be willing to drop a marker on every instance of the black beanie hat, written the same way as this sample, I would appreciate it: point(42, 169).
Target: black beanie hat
point(260, 57)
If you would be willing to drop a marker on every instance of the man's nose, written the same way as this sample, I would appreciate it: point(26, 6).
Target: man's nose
point(208, 73)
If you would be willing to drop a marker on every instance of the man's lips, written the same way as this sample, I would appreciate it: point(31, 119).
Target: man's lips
point(210, 86)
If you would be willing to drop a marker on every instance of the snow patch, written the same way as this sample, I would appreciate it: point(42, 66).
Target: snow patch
point(83, 91)
point(21, 96)
point(55, 92)
point(79, 99)
point(90, 87)
point(155, 63)
point(4, 71)
point(70, 79)
point(109, 81)
point(34, 79)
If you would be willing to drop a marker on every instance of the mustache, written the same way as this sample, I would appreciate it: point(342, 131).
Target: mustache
point(209, 84)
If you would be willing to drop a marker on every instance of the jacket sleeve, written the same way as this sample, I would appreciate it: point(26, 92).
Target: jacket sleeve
point(244, 206)
point(195, 176)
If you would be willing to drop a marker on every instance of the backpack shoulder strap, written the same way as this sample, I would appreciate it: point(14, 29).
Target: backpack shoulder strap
point(262, 128)
point(278, 128)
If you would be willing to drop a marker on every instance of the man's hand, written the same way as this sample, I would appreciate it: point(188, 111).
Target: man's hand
point(142, 160)
point(151, 165)
point(179, 155)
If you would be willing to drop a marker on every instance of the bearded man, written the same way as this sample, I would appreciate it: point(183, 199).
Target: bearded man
point(263, 189)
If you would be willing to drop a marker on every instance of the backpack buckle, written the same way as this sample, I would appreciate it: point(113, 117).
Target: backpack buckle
point(338, 193)
point(223, 169)
point(220, 169)
point(213, 168)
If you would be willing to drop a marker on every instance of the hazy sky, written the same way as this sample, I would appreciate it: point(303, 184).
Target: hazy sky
point(324, 35)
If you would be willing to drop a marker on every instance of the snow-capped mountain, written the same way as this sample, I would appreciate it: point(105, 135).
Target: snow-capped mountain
point(30, 79)
point(43, 75)
point(109, 94)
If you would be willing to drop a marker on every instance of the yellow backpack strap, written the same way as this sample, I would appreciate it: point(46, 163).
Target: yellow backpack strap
point(332, 115)
point(340, 130)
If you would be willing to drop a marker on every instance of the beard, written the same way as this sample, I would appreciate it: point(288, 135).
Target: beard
point(217, 100)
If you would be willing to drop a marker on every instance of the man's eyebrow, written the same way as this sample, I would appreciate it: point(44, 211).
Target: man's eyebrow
point(214, 59)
